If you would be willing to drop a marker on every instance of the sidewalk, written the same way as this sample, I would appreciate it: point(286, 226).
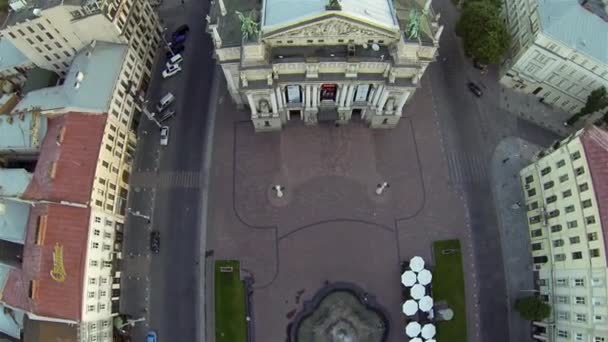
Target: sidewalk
point(529, 108)
point(510, 156)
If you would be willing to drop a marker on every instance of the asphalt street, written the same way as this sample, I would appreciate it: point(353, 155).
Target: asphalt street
point(166, 185)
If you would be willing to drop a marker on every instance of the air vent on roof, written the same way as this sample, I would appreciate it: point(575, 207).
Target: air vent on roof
point(37, 12)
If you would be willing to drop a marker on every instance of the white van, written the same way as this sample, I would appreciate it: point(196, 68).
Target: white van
point(176, 59)
point(165, 102)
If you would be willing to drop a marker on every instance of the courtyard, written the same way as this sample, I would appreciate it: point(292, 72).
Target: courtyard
point(330, 226)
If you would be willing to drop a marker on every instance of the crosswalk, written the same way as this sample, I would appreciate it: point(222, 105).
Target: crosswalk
point(167, 179)
point(465, 168)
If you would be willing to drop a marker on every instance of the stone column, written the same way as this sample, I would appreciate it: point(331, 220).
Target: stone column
point(308, 102)
point(217, 39)
point(315, 96)
point(349, 95)
point(277, 92)
point(273, 103)
point(382, 100)
point(372, 93)
point(438, 33)
point(402, 101)
point(254, 113)
point(222, 7)
point(338, 94)
point(283, 98)
point(343, 95)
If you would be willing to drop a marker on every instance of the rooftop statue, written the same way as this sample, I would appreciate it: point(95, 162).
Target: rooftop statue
point(249, 27)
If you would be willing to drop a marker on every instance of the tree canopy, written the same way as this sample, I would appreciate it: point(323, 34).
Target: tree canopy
point(532, 308)
point(484, 34)
point(597, 100)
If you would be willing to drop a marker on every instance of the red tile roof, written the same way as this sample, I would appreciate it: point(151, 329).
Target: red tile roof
point(75, 159)
point(595, 143)
point(67, 226)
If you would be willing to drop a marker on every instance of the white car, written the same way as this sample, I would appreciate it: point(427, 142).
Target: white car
point(171, 70)
point(164, 136)
point(175, 60)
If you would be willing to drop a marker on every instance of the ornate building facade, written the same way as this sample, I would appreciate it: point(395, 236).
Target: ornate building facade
point(315, 61)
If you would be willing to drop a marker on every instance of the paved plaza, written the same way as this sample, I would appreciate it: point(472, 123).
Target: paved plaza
point(330, 226)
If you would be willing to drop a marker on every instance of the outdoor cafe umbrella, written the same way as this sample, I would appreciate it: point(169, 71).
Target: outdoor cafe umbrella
point(412, 329)
point(416, 339)
point(410, 307)
point(408, 278)
point(417, 264)
point(425, 277)
point(417, 291)
point(425, 303)
point(428, 331)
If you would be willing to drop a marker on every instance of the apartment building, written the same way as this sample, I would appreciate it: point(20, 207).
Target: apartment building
point(558, 51)
point(13, 64)
point(309, 62)
point(51, 32)
point(566, 192)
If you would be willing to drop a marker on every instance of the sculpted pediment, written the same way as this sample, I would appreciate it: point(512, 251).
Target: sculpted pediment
point(332, 27)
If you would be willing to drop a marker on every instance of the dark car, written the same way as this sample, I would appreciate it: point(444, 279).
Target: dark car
point(152, 337)
point(177, 48)
point(181, 31)
point(155, 241)
point(474, 88)
point(178, 40)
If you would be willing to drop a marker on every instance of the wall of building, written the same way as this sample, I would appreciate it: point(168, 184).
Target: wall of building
point(567, 242)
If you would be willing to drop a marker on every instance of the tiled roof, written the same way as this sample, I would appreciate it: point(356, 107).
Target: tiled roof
point(595, 143)
point(74, 159)
point(67, 227)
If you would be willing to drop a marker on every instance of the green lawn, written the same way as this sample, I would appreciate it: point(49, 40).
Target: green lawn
point(448, 285)
point(230, 323)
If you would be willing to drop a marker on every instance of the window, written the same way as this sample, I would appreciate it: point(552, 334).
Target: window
point(32, 43)
point(105, 164)
point(47, 58)
point(586, 203)
point(580, 282)
point(563, 333)
point(96, 232)
point(92, 281)
point(529, 179)
point(536, 233)
point(579, 300)
point(569, 209)
point(590, 219)
point(560, 163)
point(94, 263)
point(567, 193)
point(598, 318)
point(534, 219)
point(576, 155)
point(102, 306)
point(577, 255)
point(583, 187)
point(533, 205)
point(560, 257)
point(531, 192)
point(39, 39)
point(107, 235)
point(537, 246)
point(579, 337)
point(554, 213)
point(90, 308)
point(545, 171)
point(562, 299)
point(95, 245)
point(556, 228)
point(572, 224)
point(558, 243)
point(579, 171)
point(102, 293)
point(582, 318)
point(594, 253)
point(97, 219)
point(106, 247)
point(50, 36)
point(548, 185)
point(592, 236)
point(561, 282)
point(551, 199)
point(574, 240)
point(91, 294)
point(599, 339)
point(563, 316)
point(563, 178)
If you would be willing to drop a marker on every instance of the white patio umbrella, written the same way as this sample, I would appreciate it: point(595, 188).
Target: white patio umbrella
point(425, 303)
point(431, 340)
point(410, 307)
point(416, 339)
point(428, 331)
point(412, 329)
point(408, 278)
point(417, 264)
point(417, 291)
point(425, 277)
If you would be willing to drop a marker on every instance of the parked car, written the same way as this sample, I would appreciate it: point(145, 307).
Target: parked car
point(164, 136)
point(475, 89)
point(152, 337)
point(181, 31)
point(168, 114)
point(175, 49)
point(165, 102)
point(171, 70)
point(155, 241)
point(177, 59)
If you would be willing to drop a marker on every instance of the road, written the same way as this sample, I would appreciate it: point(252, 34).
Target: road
point(167, 184)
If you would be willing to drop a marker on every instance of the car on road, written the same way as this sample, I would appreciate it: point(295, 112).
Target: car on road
point(164, 136)
point(168, 114)
point(165, 102)
point(475, 89)
point(176, 59)
point(155, 241)
point(171, 70)
point(180, 31)
point(151, 337)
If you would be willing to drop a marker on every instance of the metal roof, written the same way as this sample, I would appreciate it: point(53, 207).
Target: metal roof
point(10, 56)
point(13, 220)
point(22, 132)
point(89, 83)
point(570, 23)
point(279, 13)
point(14, 182)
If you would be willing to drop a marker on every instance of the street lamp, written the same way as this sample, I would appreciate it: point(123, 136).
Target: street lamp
point(138, 214)
point(132, 322)
point(149, 114)
point(162, 35)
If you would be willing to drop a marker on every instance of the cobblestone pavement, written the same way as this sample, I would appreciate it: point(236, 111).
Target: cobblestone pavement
point(330, 226)
point(511, 155)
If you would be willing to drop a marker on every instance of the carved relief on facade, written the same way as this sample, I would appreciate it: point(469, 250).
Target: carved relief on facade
point(333, 28)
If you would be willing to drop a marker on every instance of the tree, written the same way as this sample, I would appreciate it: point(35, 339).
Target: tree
point(532, 308)
point(597, 100)
point(484, 34)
